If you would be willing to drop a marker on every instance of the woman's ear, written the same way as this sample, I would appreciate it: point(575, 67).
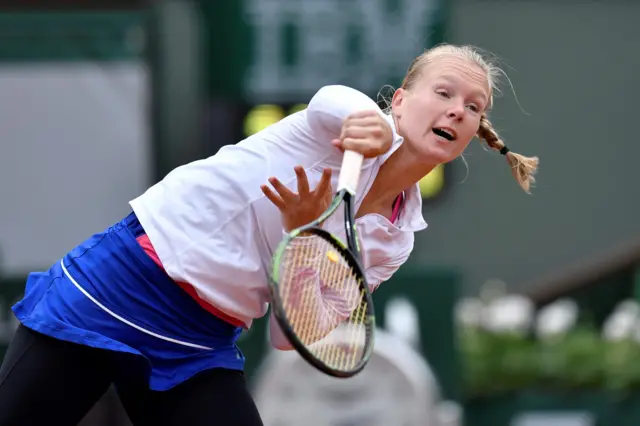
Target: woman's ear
point(397, 102)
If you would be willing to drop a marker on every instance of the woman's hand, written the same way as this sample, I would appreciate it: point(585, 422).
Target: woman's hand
point(366, 132)
point(304, 207)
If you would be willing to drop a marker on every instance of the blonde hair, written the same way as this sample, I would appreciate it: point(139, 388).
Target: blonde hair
point(523, 168)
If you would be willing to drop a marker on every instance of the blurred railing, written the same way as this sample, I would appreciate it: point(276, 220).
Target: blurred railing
point(597, 284)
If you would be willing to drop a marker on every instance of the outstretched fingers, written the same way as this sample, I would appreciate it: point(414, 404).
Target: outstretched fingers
point(273, 197)
point(282, 196)
point(324, 185)
point(303, 182)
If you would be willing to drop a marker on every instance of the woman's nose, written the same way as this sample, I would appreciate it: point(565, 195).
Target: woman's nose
point(456, 112)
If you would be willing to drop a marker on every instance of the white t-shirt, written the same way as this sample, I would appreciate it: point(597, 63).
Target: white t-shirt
point(212, 226)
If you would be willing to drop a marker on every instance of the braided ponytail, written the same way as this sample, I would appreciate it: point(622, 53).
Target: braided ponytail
point(523, 168)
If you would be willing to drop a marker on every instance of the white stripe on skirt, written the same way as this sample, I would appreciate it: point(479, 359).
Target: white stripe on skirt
point(129, 323)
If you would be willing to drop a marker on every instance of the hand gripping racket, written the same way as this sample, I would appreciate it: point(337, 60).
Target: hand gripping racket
point(320, 296)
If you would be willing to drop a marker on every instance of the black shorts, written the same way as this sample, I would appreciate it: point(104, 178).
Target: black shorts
point(48, 381)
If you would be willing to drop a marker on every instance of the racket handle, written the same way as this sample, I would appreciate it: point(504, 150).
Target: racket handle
point(350, 171)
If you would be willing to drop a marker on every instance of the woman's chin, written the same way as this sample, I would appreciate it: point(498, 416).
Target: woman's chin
point(436, 154)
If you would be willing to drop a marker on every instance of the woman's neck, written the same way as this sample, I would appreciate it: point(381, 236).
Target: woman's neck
point(398, 173)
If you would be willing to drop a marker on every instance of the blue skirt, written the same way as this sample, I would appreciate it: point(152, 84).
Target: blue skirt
point(108, 293)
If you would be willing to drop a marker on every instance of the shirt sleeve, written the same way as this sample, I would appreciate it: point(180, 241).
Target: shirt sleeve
point(332, 104)
point(382, 272)
point(375, 275)
point(276, 336)
point(310, 293)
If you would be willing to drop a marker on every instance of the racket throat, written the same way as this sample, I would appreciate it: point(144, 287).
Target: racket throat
point(349, 225)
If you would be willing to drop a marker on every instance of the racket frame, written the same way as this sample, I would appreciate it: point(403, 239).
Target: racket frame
point(349, 251)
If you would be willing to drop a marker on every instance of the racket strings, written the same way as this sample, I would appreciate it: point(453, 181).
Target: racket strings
point(324, 302)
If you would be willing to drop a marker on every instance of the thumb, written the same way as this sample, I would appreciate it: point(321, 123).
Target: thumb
point(338, 144)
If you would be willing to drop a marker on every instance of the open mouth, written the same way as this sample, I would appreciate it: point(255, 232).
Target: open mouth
point(447, 134)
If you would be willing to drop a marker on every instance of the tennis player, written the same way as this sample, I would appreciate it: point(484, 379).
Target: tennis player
point(156, 302)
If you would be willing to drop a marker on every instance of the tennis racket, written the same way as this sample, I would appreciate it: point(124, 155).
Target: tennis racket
point(320, 296)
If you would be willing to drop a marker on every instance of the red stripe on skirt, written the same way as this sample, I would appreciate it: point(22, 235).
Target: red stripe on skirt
point(148, 248)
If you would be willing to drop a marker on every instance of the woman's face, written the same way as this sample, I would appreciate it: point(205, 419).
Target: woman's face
point(440, 113)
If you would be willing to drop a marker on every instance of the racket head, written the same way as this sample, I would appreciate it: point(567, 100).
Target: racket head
point(330, 321)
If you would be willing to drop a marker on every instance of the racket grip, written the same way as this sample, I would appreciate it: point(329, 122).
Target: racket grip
point(350, 171)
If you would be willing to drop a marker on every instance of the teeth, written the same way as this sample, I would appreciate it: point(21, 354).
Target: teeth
point(444, 133)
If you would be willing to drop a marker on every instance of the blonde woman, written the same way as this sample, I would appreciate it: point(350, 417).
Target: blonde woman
point(156, 302)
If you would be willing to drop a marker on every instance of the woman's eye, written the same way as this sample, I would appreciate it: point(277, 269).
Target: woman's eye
point(473, 107)
point(443, 93)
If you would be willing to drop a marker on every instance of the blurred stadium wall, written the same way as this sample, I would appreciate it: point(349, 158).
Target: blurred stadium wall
point(573, 65)
point(573, 76)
